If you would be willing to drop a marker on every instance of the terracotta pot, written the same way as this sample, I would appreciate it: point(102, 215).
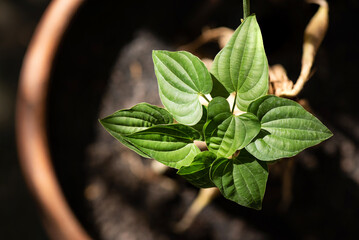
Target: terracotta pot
point(59, 221)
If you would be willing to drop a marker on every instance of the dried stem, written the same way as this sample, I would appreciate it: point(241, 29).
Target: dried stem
point(221, 35)
point(204, 197)
point(313, 37)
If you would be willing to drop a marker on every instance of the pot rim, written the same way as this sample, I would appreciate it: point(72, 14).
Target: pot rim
point(35, 160)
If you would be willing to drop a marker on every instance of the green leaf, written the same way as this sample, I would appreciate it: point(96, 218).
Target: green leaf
point(216, 106)
point(199, 126)
point(241, 66)
point(137, 118)
point(182, 78)
point(171, 145)
point(218, 89)
point(226, 133)
point(242, 180)
point(198, 172)
point(287, 128)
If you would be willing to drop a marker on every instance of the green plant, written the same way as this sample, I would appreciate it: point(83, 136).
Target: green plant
point(268, 128)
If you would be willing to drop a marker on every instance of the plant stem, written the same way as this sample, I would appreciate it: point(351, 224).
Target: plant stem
point(205, 98)
point(234, 155)
point(246, 8)
point(234, 103)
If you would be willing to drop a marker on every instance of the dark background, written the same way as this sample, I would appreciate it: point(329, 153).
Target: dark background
point(326, 197)
point(18, 215)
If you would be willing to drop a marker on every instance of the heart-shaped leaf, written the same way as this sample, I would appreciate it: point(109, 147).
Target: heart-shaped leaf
point(242, 180)
point(198, 172)
point(217, 106)
point(182, 77)
point(226, 133)
point(171, 145)
point(241, 66)
point(199, 126)
point(135, 119)
point(287, 128)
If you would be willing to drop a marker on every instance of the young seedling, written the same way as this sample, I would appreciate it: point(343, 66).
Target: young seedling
point(239, 145)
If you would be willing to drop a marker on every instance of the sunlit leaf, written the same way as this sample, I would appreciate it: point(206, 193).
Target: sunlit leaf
point(241, 66)
point(198, 172)
point(199, 126)
point(171, 145)
point(182, 78)
point(137, 118)
point(242, 180)
point(226, 133)
point(287, 128)
point(217, 106)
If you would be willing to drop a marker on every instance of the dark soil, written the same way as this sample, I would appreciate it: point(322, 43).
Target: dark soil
point(105, 64)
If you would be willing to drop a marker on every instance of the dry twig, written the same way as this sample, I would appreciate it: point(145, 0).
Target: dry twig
point(204, 197)
point(221, 35)
point(313, 37)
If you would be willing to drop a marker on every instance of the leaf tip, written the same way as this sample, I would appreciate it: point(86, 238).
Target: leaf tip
point(102, 121)
point(155, 53)
point(258, 207)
